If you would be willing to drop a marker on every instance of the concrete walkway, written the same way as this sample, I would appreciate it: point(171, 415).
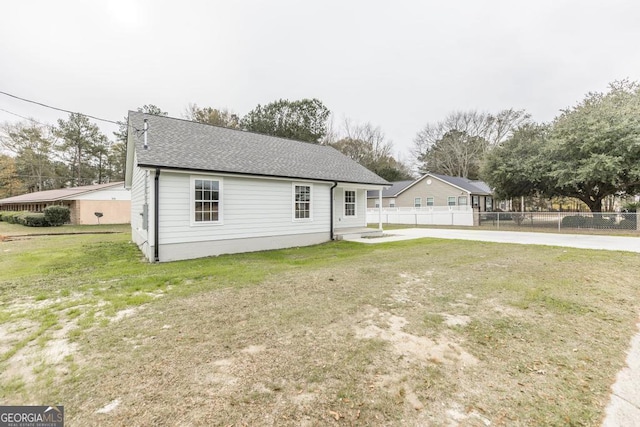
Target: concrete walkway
point(582, 241)
point(623, 409)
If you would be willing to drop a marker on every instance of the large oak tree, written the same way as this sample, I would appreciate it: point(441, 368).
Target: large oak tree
point(594, 149)
point(591, 151)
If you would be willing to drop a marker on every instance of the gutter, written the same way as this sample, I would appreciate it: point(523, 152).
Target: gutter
point(335, 184)
point(156, 217)
point(252, 174)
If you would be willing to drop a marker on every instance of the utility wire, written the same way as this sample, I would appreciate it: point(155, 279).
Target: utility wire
point(23, 117)
point(56, 108)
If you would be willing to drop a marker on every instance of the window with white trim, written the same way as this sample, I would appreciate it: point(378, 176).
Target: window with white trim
point(489, 203)
point(417, 202)
point(462, 200)
point(451, 201)
point(206, 202)
point(430, 201)
point(302, 202)
point(349, 203)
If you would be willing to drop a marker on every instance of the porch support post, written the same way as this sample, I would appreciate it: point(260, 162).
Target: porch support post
point(380, 209)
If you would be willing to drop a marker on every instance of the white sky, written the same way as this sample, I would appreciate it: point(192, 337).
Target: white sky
point(397, 64)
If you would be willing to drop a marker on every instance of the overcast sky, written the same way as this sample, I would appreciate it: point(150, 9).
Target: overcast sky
point(397, 64)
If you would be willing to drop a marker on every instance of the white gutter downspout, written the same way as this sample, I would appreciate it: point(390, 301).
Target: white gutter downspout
point(331, 208)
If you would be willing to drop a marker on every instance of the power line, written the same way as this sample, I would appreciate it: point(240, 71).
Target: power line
point(56, 108)
point(23, 117)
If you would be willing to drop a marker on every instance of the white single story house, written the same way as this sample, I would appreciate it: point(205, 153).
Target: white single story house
point(89, 204)
point(199, 190)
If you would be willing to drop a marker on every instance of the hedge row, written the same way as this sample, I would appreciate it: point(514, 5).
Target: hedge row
point(52, 216)
point(578, 221)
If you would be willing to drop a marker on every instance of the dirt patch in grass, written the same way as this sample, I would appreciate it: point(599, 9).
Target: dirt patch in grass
point(409, 333)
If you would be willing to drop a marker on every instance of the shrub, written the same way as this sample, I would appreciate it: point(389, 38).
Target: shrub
point(13, 217)
point(33, 220)
point(627, 224)
point(631, 207)
point(504, 216)
point(598, 221)
point(574, 221)
point(57, 215)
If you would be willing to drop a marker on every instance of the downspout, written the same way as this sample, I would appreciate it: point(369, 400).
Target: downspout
point(156, 217)
point(335, 184)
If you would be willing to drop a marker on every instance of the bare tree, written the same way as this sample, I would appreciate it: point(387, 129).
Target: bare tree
point(455, 145)
point(368, 145)
point(212, 116)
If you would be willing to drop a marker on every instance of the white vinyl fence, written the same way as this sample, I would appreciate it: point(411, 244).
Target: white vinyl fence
point(463, 215)
point(432, 215)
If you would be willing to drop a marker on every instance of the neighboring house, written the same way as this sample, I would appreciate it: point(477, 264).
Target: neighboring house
point(110, 200)
point(435, 190)
point(200, 190)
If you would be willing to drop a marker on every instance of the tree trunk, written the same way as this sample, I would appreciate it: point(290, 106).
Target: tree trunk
point(594, 205)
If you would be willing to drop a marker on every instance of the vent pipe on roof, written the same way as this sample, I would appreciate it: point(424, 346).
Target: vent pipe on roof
point(146, 127)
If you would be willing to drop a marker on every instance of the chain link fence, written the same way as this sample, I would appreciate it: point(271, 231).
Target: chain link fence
point(561, 220)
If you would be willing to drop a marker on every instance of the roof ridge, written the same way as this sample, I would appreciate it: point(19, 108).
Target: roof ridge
point(231, 129)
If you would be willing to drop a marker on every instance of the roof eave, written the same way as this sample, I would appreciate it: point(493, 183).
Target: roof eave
point(212, 171)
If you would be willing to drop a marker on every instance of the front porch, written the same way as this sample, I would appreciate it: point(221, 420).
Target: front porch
point(356, 232)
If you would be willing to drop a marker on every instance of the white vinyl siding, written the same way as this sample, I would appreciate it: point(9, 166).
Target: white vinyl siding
point(252, 207)
point(341, 220)
point(141, 196)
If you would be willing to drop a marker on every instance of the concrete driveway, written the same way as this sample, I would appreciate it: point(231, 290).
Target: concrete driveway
point(582, 241)
point(623, 409)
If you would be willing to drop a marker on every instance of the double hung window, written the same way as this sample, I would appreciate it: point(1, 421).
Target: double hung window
point(206, 201)
point(302, 202)
point(349, 203)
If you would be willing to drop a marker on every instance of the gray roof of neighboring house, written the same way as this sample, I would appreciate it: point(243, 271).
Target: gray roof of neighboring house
point(58, 194)
point(475, 187)
point(396, 187)
point(472, 186)
point(186, 145)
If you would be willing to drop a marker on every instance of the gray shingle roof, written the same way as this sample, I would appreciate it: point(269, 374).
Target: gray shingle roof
point(479, 188)
point(59, 194)
point(182, 144)
point(474, 187)
point(396, 187)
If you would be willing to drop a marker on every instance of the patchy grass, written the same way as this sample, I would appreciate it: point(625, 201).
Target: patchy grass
point(425, 332)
